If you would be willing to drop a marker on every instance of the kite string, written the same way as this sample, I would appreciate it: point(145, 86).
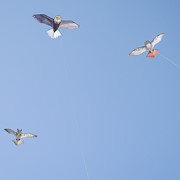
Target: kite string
point(82, 152)
point(85, 165)
point(170, 60)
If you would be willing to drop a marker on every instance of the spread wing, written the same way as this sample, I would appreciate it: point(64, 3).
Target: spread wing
point(42, 18)
point(10, 131)
point(28, 135)
point(157, 39)
point(138, 51)
point(68, 24)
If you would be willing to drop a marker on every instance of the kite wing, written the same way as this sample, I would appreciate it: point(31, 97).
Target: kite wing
point(138, 51)
point(28, 135)
point(42, 18)
point(10, 131)
point(157, 39)
point(68, 24)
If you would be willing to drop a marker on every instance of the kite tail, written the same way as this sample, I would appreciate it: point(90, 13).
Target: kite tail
point(152, 54)
point(53, 34)
point(17, 142)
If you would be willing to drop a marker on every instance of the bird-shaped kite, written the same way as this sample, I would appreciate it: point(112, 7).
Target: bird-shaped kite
point(19, 135)
point(149, 46)
point(55, 23)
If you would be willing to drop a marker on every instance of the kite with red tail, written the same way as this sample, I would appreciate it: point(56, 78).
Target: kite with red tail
point(148, 46)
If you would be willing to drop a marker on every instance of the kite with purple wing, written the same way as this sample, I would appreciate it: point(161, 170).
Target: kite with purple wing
point(55, 23)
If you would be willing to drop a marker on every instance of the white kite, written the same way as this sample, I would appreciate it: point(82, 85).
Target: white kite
point(55, 23)
point(149, 46)
point(19, 135)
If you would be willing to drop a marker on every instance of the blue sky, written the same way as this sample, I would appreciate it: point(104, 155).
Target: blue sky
point(83, 93)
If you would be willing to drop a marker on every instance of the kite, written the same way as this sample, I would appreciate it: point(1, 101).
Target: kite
point(55, 23)
point(149, 46)
point(19, 135)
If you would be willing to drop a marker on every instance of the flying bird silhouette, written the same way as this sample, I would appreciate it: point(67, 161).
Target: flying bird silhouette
point(19, 135)
point(149, 46)
point(55, 23)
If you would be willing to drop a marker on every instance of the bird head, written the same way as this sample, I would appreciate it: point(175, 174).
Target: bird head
point(148, 45)
point(19, 130)
point(57, 19)
point(147, 42)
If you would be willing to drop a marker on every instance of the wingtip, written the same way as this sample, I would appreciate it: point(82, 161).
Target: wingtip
point(77, 25)
point(131, 53)
point(35, 135)
point(6, 130)
point(162, 34)
point(34, 16)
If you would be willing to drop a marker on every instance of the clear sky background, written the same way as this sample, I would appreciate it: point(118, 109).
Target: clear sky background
point(85, 97)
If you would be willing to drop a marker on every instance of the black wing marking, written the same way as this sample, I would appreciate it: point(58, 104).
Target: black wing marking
point(42, 18)
point(10, 131)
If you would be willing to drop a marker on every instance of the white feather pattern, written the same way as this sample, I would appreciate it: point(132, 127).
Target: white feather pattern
point(138, 51)
point(53, 34)
point(157, 39)
point(28, 135)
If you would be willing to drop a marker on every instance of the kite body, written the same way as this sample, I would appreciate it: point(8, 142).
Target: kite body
point(19, 135)
point(55, 23)
point(153, 53)
point(148, 46)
